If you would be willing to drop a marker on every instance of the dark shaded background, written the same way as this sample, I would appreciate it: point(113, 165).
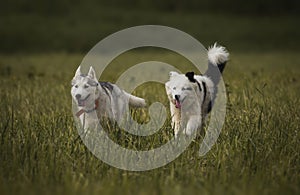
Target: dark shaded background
point(76, 26)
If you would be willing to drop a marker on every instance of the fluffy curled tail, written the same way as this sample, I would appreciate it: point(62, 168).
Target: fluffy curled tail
point(217, 56)
point(136, 101)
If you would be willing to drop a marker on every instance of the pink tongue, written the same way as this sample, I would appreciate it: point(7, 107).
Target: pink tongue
point(177, 104)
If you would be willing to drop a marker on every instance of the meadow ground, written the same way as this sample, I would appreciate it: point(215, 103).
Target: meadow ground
point(41, 152)
point(257, 151)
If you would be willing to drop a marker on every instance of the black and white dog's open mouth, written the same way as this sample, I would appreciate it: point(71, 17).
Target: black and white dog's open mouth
point(178, 103)
point(82, 102)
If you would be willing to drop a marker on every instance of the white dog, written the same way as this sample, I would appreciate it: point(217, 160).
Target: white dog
point(95, 100)
point(191, 96)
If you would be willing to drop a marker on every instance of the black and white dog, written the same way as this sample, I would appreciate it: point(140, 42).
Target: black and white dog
point(191, 96)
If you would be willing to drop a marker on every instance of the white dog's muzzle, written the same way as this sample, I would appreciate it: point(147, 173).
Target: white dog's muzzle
point(81, 102)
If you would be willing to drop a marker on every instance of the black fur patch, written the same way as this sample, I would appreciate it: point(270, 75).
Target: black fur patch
point(221, 67)
point(209, 106)
point(107, 85)
point(204, 86)
point(199, 86)
point(190, 76)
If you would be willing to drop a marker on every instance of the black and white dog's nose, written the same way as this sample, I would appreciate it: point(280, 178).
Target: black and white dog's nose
point(78, 96)
point(177, 97)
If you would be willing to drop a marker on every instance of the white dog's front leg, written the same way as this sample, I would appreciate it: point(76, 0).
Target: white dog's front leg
point(83, 123)
point(89, 122)
point(192, 125)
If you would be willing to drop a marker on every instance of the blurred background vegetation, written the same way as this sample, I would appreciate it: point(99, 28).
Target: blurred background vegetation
point(76, 26)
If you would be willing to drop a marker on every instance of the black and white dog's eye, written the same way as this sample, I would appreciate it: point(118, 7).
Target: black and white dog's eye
point(76, 86)
point(188, 88)
point(86, 86)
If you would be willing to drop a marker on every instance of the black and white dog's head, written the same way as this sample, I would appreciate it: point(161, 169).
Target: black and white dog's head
point(179, 88)
point(202, 87)
point(188, 89)
point(84, 88)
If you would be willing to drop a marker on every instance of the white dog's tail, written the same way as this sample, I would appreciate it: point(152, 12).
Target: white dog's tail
point(136, 101)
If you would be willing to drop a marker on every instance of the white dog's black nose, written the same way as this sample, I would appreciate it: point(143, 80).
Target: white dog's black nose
point(78, 96)
point(177, 97)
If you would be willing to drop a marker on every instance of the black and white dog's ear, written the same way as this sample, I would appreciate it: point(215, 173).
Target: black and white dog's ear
point(92, 73)
point(173, 73)
point(190, 76)
point(78, 71)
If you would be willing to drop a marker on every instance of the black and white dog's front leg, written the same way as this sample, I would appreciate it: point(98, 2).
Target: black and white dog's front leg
point(193, 123)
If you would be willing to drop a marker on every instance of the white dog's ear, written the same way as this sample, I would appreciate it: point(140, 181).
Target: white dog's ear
point(92, 73)
point(78, 71)
point(173, 73)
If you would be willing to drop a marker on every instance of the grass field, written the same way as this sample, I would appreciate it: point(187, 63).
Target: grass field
point(256, 153)
point(42, 44)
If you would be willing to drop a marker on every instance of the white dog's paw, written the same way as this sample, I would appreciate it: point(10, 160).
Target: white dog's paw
point(188, 132)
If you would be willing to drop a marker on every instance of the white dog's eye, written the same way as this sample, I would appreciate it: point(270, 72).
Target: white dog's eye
point(76, 86)
point(174, 88)
point(86, 86)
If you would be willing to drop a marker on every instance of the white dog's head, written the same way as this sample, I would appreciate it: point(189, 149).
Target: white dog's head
point(84, 88)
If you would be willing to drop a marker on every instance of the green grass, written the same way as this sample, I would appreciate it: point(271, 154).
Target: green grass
point(256, 153)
